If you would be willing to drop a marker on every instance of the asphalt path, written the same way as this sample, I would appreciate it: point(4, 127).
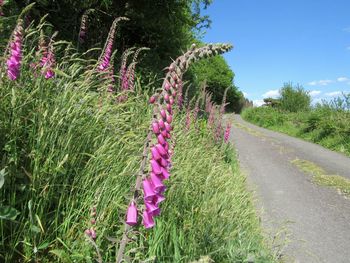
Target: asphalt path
point(313, 220)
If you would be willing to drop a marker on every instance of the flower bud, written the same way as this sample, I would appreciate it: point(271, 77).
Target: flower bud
point(152, 100)
point(155, 127)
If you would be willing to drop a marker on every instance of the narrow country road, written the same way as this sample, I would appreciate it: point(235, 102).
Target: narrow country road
point(317, 218)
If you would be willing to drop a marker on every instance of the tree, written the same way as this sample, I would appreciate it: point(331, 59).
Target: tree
point(218, 76)
point(294, 98)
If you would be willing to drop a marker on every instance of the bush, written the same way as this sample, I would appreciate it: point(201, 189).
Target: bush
point(294, 98)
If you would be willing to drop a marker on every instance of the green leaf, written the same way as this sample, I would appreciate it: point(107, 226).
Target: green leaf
point(8, 213)
point(43, 245)
point(35, 229)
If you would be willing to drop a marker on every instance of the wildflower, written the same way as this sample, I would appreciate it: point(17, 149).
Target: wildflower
point(227, 132)
point(165, 173)
point(161, 149)
point(148, 220)
point(169, 118)
point(152, 100)
point(155, 167)
point(152, 209)
point(159, 187)
point(107, 55)
point(163, 113)
point(15, 59)
point(155, 127)
point(105, 58)
point(155, 153)
point(148, 190)
point(49, 63)
point(161, 139)
point(131, 215)
point(163, 162)
point(159, 198)
point(93, 233)
point(168, 127)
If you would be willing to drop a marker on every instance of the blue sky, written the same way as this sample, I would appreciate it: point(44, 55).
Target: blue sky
point(278, 41)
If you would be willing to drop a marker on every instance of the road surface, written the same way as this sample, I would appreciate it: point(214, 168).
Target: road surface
point(315, 218)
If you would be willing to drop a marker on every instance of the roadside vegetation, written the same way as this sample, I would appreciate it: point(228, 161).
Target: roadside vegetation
point(81, 136)
point(326, 123)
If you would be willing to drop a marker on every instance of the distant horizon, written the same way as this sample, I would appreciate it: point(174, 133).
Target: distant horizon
point(266, 55)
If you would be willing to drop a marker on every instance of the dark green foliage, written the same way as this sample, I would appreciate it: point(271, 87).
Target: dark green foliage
point(166, 27)
point(218, 76)
point(294, 98)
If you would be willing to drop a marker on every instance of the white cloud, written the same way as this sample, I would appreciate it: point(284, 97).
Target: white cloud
point(322, 82)
point(245, 94)
point(258, 103)
point(271, 94)
point(342, 79)
point(314, 93)
point(333, 94)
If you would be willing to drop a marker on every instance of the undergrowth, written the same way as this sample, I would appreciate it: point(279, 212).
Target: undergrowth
point(323, 124)
point(68, 145)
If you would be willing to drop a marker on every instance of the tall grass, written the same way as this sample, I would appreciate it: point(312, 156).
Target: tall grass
point(327, 124)
point(67, 146)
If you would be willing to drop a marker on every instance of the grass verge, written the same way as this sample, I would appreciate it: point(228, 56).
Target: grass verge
point(323, 125)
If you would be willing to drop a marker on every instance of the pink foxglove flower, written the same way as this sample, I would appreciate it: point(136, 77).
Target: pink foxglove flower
point(165, 173)
point(155, 127)
point(159, 187)
point(163, 114)
point(152, 209)
point(148, 190)
point(161, 124)
point(155, 153)
point(159, 198)
point(148, 220)
point(169, 118)
point(168, 127)
point(164, 163)
point(131, 214)
point(161, 139)
point(155, 167)
point(227, 132)
point(152, 100)
point(15, 59)
point(161, 149)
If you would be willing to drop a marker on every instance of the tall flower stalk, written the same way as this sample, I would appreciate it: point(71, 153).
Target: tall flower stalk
point(123, 79)
point(129, 76)
point(227, 132)
point(48, 60)
point(105, 58)
point(15, 59)
point(150, 181)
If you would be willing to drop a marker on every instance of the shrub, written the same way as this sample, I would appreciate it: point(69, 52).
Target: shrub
point(294, 98)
